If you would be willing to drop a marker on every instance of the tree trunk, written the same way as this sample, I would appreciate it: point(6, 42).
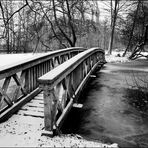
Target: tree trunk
point(113, 23)
point(133, 26)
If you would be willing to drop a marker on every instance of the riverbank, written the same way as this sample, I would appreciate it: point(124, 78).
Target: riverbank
point(18, 132)
point(116, 57)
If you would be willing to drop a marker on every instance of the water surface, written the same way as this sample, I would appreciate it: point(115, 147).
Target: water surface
point(114, 110)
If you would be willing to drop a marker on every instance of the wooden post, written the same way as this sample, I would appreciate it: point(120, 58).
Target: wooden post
point(77, 76)
point(146, 35)
point(26, 85)
point(50, 108)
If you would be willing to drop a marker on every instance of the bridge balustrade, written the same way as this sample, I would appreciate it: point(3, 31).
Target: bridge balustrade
point(63, 85)
point(19, 80)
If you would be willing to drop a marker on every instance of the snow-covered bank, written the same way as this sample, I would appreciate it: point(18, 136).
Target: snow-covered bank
point(25, 131)
point(117, 57)
point(72, 141)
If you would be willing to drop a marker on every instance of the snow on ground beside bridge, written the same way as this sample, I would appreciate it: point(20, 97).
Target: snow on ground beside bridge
point(117, 57)
point(25, 131)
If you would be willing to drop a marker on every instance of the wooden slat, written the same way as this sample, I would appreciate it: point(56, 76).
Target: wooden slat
point(31, 113)
point(40, 95)
point(34, 77)
point(35, 105)
point(5, 88)
point(64, 113)
point(31, 79)
point(23, 78)
point(37, 101)
point(37, 109)
point(38, 98)
point(52, 63)
point(6, 98)
point(26, 85)
point(15, 94)
point(5, 115)
point(18, 82)
point(6, 84)
point(48, 119)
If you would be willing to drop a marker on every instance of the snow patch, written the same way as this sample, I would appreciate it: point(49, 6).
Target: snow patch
point(116, 57)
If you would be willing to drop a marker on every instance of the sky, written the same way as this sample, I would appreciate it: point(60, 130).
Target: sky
point(105, 4)
point(103, 13)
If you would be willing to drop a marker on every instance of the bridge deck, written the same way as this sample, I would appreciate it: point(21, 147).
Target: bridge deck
point(24, 128)
point(34, 108)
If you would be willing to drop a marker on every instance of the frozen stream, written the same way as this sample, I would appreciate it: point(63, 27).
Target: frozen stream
point(114, 111)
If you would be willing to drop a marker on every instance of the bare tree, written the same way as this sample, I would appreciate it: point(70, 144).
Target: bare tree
point(35, 24)
point(114, 14)
point(132, 30)
point(7, 14)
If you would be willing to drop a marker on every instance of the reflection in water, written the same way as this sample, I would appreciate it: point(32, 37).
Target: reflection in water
point(138, 99)
point(113, 110)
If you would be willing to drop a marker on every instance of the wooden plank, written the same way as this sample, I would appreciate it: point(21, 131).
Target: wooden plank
point(15, 95)
point(34, 77)
point(48, 119)
point(18, 82)
point(26, 85)
point(29, 119)
point(23, 80)
point(76, 105)
point(4, 89)
point(35, 104)
point(38, 98)
point(31, 113)
point(6, 98)
point(37, 101)
point(8, 113)
point(6, 83)
point(40, 94)
point(64, 113)
point(32, 108)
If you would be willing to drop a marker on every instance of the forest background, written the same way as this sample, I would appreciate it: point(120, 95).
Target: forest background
point(46, 25)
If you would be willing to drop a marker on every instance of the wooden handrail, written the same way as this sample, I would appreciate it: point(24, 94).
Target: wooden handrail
point(62, 85)
point(8, 70)
point(54, 76)
point(25, 74)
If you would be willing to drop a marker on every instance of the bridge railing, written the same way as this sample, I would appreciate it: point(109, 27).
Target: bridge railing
point(18, 81)
point(62, 86)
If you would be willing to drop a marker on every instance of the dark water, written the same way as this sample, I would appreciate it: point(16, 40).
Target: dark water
point(114, 110)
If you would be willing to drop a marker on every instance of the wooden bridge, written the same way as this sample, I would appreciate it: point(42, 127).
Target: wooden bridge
point(46, 85)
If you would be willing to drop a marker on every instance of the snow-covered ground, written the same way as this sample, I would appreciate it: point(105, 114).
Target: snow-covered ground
point(25, 131)
point(117, 57)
